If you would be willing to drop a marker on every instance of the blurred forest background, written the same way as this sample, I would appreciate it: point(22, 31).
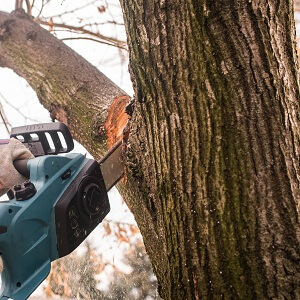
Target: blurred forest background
point(95, 29)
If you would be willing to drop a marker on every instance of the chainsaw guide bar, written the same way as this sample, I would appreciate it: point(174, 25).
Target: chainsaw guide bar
point(112, 166)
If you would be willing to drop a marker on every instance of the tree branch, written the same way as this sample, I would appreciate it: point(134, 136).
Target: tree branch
point(17, 110)
point(73, 10)
point(91, 39)
point(19, 4)
point(82, 30)
point(73, 90)
point(29, 8)
point(4, 119)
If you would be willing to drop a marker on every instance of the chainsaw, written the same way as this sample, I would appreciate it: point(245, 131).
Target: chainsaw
point(52, 213)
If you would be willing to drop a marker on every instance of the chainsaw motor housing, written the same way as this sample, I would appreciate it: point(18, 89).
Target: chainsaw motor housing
point(82, 206)
point(66, 200)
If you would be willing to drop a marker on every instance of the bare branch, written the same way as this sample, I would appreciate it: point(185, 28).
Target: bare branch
point(29, 8)
point(42, 7)
point(18, 111)
point(297, 5)
point(19, 4)
point(65, 91)
point(94, 40)
point(73, 10)
point(4, 119)
point(82, 30)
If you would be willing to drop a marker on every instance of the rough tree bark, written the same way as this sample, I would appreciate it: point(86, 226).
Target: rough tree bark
point(217, 117)
point(213, 154)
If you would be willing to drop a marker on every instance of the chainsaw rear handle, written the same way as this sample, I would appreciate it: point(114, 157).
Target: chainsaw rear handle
point(39, 137)
point(21, 166)
point(36, 138)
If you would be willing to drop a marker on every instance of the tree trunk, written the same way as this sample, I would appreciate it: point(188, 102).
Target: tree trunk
point(213, 152)
point(214, 145)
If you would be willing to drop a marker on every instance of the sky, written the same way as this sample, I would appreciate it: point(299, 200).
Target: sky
point(21, 105)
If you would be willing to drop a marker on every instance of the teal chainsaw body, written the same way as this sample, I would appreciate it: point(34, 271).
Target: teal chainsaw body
point(49, 216)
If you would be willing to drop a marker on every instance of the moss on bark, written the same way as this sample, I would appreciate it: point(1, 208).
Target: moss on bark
point(216, 120)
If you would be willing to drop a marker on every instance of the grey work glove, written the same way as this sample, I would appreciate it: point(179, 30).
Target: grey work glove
point(9, 176)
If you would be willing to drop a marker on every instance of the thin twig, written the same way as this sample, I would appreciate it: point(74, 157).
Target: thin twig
point(72, 11)
point(19, 4)
point(5, 124)
point(29, 8)
point(4, 119)
point(40, 12)
point(18, 110)
point(94, 40)
point(81, 29)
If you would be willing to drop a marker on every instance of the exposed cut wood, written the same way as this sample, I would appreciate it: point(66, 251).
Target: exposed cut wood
point(116, 120)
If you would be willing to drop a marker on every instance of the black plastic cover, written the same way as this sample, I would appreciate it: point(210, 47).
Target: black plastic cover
point(81, 208)
point(24, 191)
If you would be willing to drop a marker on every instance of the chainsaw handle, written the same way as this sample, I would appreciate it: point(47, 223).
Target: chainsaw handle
point(38, 137)
point(21, 166)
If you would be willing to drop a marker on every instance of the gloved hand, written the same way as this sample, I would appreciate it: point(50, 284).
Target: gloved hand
point(9, 176)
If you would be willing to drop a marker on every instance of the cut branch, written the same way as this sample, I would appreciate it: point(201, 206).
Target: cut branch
point(73, 90)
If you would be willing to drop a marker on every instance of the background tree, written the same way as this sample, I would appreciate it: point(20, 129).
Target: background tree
point(140, 283)
point(78, 274)
point(74, 276)
point(213, 153)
